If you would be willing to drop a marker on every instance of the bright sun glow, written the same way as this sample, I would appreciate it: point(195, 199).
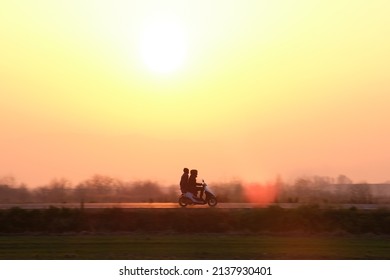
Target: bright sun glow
point(163, 46)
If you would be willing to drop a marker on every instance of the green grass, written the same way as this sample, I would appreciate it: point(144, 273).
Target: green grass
point(199, 246)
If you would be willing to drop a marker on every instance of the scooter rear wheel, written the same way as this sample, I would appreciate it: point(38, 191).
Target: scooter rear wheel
point(212, 202)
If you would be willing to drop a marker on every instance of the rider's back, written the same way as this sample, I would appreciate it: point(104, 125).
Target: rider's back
point(184, 183)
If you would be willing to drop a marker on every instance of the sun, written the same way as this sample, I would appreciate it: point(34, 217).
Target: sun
point(163, 45)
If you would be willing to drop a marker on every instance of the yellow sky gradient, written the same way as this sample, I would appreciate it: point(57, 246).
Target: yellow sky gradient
point(267, 88)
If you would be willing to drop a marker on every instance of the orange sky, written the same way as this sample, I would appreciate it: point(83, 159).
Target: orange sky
point(237, 89)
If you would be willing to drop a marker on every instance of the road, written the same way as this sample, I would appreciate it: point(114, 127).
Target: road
point(175, 205)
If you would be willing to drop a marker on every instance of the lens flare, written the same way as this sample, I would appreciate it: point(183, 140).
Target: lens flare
point(260, 193)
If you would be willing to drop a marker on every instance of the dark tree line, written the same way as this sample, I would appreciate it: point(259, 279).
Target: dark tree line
point(96, 189)
point(99, 188)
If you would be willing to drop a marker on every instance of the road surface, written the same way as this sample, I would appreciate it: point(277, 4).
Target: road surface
point(175, 205)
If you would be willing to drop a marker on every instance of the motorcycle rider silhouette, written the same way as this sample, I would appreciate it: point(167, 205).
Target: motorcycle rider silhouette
point(193, 185)
point(184, 181)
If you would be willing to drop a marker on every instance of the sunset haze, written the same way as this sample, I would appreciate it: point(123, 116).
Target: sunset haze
point(246, 90)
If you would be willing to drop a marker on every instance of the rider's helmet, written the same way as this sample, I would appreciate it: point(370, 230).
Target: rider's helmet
point(185, 170)
point(194, 172)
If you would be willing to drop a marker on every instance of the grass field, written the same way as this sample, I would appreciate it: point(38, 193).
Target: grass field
point(199, 246)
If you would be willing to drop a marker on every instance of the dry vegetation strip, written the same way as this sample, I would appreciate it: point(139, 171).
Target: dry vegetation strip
point(305, 219)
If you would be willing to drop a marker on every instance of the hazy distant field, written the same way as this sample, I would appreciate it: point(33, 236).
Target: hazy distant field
point(197, 246)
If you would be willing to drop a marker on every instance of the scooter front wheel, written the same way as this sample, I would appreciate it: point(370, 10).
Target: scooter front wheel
point(182, 202)
point(212, 202)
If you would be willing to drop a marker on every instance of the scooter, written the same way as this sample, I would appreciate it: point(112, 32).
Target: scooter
point(190, 199)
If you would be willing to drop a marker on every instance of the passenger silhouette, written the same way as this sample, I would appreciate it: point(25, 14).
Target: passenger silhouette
point(193, 185)
point(184, 181)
